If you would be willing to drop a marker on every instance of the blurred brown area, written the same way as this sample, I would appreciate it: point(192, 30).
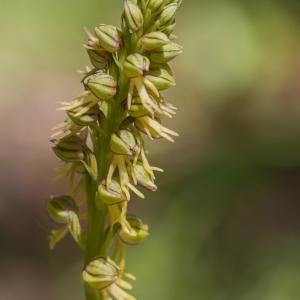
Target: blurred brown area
point(225, 221)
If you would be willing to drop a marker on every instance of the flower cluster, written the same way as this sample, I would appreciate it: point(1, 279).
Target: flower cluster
point(101, 140)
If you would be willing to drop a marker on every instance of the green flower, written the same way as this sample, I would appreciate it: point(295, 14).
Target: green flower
point(103, 86)
point(109, 37)
point(133, 15)
point(135, 65)
point(100, 273)
point(154, 40)
point(165, 53)
point(135, 232)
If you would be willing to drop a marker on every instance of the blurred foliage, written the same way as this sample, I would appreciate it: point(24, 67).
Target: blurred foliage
point(225, 221)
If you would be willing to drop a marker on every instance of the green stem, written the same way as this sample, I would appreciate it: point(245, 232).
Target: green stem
point(96, 222)
point(92, 294)
point(96, 214)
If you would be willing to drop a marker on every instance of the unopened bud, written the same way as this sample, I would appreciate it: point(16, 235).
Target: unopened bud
point(168, 14)
point(100, 273)
point(61, 208)
point(165, 53)
point(109, 37)
point(155, 5)
point(173, 1)
point(123, 143)
point(69, 148)
point(137, 232)
point(154, 40)
point(161, 79)
point(112, 195)
point(83, 117)
point(137, 108)
point(103, 86)
point(135, 65)
point(168, 30)
point(133, 15)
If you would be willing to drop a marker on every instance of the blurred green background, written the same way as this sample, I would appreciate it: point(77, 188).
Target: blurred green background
point(225, 222)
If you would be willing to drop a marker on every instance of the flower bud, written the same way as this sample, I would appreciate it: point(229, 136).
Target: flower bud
point(99, 59)
point(135, 65)
point(173, 1)
point(168, 14)
point(137, 232)
point(165, 53)
point(109, 37)
point(137, 108)
point(69, 148)
point(161, 66)
point(81, 117)
point(154, 40)
point(143, 178)
point(155, 5)
point(112, 195)
point(61, 208)
point(161, 79)
point(168, 29)
point(100, 273)
point(123, 143)
point(103, 86)
point(133, 15)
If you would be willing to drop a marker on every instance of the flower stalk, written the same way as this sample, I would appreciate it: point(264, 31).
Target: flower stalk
point(101, 142)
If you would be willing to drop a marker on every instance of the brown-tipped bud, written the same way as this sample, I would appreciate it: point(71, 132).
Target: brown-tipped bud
point(137, 232)
point(123, 143)
point(143, 178)
point(99, 59)
point(109, 37)
point(133, 15)
point(100, 273)
point(103, 86)
point(61, 208)
point(168, 14)
point(161, 79)
point(166, 53)
point(135, 65)
point(154, 40)
point(112, 195)
point(69, 148)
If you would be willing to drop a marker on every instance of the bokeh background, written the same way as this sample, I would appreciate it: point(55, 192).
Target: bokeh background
point(225, 222)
